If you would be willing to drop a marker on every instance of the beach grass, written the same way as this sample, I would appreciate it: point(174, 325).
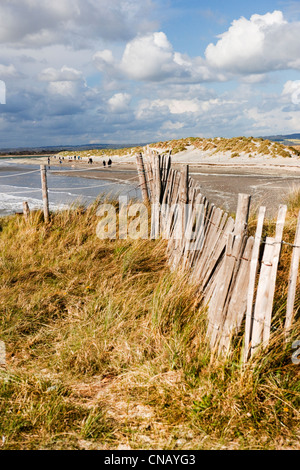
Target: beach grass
point(106, 348)
point(235, 145)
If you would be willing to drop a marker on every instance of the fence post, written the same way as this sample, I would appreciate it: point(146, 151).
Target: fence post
point(184, 197)
point(45, 193)
point(142, 178)
point(272, 282)
point(26, 210)
point(242, 214)
point(2, 354)
point(263, 291)
point(252, 278)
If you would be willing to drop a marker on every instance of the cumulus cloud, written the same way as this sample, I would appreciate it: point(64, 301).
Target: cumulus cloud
point(64, 88)
point(64, 74)
point(148, 108)
point(263, 43)
point(151, 58)
point(148, 57)
point(8, 71)
point(35, 23)
point(291, 91)
point(119, 102)
point(104, 59)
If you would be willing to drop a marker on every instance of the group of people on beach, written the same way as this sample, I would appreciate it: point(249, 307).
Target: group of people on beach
point(90, 161)
point(108, 163)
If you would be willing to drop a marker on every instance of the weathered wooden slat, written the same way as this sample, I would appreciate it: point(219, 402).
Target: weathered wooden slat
point(239, 231)
point(200, 234)
point(167, 169)
point(205, 224)
point(184, 185)
point(215, 253)
point(45, 193)
point(217, 302)
point(162, 170)
point(293, 275)
point(175, 189)
point(237, 306)
point(262, 296)
point(195, 242)
point(149, 179)
point(252, 278)
point(210, 216)
point(171, 226)
point(157, 178)
point(168, 187)
point(272, 283)
point(2, 354)
point(240, 236)
point(142, 178)
point(26, 211)
point(211, 240)
point(190, 232)
point(182, 215)
point(242, 214)
point(155, 212)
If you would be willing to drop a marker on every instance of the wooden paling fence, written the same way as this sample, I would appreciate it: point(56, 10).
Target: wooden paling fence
point(236, 282)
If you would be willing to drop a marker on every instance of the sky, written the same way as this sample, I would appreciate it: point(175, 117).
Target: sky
point(76, 72)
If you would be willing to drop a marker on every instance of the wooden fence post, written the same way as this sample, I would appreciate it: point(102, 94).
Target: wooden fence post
point(2, 354)
point(45, 193)
point(184, 197)
point(142, 178)
point(26, 210)
point(272, 282)
point(252, 278)
point(182, 216)
point(293, 280)
point(262, 295)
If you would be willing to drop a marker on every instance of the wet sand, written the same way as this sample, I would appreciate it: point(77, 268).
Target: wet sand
point(267, 183)
point(221, 185)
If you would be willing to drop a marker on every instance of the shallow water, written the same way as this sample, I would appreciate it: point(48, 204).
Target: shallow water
point(20, 183)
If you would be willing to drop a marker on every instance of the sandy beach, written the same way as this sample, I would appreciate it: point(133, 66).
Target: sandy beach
point(267, 179)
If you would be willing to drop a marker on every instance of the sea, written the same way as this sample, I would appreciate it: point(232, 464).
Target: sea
point(19, 183)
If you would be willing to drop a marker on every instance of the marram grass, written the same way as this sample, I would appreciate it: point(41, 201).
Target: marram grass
point(106, 349)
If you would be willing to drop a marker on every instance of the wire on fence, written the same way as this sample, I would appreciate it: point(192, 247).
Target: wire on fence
point(19, 174)
point(23, 191)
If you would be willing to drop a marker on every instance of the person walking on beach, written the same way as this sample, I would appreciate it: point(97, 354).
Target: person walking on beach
point(109, 162)
point(104, 163)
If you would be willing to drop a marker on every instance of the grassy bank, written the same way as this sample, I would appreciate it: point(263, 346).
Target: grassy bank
point(106, 349)
point(235, 146)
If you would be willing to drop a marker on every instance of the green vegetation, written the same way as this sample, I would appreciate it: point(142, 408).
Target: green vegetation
point(236, 146)
point(106, 347)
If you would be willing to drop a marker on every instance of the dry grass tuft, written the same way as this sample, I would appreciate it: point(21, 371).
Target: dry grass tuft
point(107, 348)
